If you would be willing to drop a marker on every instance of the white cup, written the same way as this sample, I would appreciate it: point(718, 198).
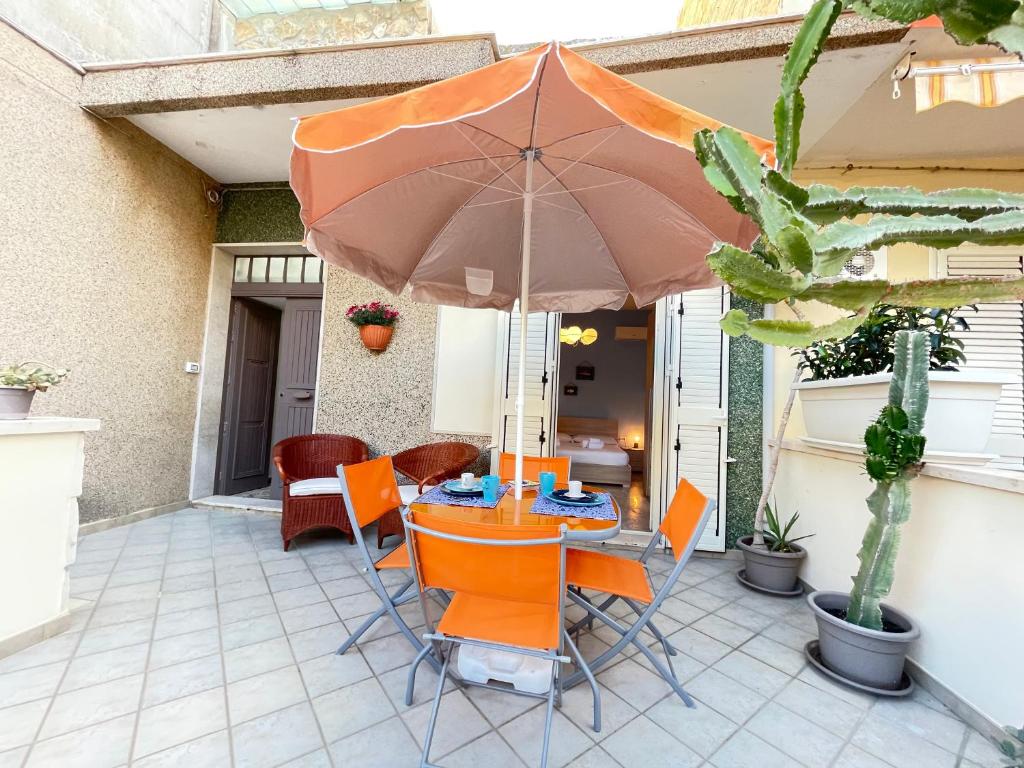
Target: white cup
point(468, 479)
point(575, 488)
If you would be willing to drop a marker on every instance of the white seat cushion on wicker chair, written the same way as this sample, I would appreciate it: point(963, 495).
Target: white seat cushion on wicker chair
point(316, 486)
point(410, 493)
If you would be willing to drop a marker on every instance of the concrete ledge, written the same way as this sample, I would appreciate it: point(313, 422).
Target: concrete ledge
point(22, 640)
point(280, 77)
point(143, 514)
point(756, 39)
point(239, 504)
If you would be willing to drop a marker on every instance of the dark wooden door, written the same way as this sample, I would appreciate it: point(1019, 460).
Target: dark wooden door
point(296, 372)
point(248, 397)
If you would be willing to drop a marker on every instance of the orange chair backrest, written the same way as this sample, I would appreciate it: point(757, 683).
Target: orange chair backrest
point(372, 489)
point(533, 466)
point(683, 516)
point(526, 574)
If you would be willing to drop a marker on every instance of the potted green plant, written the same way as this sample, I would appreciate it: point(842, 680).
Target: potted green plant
point(849, 379)
point(376, 323)
point(774, 565)
point(19, 384)
point(1013, 747)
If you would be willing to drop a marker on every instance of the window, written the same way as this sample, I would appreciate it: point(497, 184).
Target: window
point(996, 335)
point(278, 269)
point(464, 371)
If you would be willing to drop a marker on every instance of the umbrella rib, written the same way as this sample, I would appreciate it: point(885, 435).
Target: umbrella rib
point(580, 158)
point(566, 190)
point(391, 180)
point(485, 156)
point(488, 133)
point(607, 247)
point(560, 207)
point(451, 218)
point(655, 190)
point(494, 202)
point(470, 181)
point(580, 133)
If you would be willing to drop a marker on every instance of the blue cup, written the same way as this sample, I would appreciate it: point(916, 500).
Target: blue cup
point(490, 485)
point(547, 483)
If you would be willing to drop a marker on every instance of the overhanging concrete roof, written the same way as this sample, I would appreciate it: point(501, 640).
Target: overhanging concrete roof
point(379, 69)
point(280, 77)
point(757, 39)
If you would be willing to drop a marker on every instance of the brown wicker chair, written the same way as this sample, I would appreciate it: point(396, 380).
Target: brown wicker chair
point(314, 456)
point(426, 465)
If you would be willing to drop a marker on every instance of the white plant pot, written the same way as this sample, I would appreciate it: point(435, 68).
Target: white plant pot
point(957, 427)
point(15, 402)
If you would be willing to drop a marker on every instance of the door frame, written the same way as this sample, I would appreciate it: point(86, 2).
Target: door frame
point(213, 358)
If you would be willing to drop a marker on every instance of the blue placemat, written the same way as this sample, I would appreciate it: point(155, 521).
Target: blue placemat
point(605, 511)
point(437, 495)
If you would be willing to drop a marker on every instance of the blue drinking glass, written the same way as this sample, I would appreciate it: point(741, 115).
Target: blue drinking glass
point(490, 485)
point(547, 483)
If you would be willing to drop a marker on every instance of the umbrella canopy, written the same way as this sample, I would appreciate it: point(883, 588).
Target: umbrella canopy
point(543, 178)
point(426, 188)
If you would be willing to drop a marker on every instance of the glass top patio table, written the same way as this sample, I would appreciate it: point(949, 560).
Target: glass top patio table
point(512, 512)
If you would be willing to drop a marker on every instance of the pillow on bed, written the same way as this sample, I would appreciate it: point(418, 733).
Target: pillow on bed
point(595, 443)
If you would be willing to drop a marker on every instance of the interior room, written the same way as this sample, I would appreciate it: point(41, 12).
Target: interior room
point(604, 407)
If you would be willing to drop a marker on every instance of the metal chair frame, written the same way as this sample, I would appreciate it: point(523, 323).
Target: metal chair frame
point(389, 601)
point(629, 634)
point(444, 644)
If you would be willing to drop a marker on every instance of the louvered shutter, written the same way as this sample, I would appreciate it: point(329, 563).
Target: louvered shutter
point(698, 361)
point(996, 335)
point(541, 361)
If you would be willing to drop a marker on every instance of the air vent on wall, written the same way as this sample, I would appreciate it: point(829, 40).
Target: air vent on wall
point(865, 265)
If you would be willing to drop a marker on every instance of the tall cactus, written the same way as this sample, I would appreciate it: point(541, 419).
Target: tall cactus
point(807, 233)
point(894, 447)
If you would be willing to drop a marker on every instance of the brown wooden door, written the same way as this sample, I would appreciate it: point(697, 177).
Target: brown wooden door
point(248, 397)
point(296, 372)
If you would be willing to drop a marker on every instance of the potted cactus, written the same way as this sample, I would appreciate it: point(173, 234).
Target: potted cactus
point(861, 640)
point(19, 384)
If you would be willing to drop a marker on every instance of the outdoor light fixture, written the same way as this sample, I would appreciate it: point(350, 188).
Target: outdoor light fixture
point(574, 335)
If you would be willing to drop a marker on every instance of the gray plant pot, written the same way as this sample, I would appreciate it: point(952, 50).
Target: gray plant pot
point(866, 657)
point(15, 402)
point(771, 571)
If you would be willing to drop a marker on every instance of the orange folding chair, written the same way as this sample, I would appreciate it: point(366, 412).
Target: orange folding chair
point(508, 585)
point(370, 491)
point(629, 581)
point(533, 466)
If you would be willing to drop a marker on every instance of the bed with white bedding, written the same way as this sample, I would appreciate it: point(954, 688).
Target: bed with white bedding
point(593, 446)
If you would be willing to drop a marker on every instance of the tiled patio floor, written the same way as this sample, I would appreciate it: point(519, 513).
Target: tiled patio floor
point(203, 644)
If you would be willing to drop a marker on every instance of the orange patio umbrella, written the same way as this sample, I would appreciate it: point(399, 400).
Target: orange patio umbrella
point(543, 178)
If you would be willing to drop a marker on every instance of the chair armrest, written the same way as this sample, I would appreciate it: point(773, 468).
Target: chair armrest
point(285, 477)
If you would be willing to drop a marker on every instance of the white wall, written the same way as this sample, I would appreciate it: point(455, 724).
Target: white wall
point(959, 574)
point(40, 481)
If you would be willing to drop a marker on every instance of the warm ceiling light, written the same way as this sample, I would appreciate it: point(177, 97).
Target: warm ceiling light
point(588, 337)
point(570, 335)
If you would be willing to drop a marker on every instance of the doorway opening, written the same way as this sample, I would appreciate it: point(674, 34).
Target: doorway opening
point(606, 405)
point(270, 372)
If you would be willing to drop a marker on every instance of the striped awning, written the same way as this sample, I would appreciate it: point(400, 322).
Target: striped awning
point(982, 89)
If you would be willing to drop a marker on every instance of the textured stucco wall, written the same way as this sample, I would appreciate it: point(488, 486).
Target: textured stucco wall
point(104, 251)
point(383, 398)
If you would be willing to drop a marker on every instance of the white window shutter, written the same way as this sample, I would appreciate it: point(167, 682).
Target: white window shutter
point(541, 367)
point(698, 402)
point(996, 336)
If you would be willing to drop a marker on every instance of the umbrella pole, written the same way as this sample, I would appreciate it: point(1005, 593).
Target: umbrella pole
point(524, 320)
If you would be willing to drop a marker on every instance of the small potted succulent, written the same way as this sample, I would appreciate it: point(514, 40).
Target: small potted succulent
point(376, 323)
point(19, 384)
point(849, 379)
point(772, 559)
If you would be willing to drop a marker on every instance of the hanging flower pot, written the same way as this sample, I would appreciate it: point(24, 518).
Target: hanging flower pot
point(376, 323)
point(376, 337)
